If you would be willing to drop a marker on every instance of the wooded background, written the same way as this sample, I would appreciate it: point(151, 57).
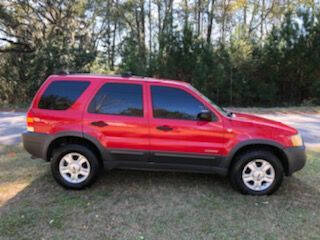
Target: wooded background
point(237, 52)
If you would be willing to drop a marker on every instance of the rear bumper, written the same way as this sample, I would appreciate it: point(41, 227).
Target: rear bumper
point(296, 158)
point(35, 143)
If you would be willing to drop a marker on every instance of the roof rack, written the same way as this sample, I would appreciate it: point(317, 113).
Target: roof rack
point(123, 74)
point(62, 72)
point(67, 72)
point(130, 74)
point(126, 74)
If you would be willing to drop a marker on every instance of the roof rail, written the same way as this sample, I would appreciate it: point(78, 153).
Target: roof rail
point(123, 74)
point(62, 72)
point(67, 72)
point(126, 74)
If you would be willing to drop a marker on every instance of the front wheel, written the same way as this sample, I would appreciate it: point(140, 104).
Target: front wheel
point(257, 173)
point(74, 166)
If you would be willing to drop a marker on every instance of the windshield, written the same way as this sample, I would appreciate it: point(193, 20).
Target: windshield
point(220, 109)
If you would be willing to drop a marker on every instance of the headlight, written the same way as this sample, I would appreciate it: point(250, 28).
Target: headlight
point(296, 140)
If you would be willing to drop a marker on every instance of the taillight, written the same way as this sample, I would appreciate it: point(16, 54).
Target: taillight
point(30, 122)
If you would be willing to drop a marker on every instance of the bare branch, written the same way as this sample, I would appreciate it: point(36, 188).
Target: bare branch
point(17, 50)
point(251, 29)
point(13, 42)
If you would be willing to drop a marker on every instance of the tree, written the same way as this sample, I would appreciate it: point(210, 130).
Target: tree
point(238, 52)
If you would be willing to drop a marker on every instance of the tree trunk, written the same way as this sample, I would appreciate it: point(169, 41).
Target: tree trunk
point(142, 22)
point(113, 45)
point(186, 13)
point(223, 22)
point(171, 16)
point(114, 39)
point(137, 18)
point(159, 24)
point(210, 21)
point(108, 34)
point(262, 19)
point(198, 11)
point(245, 9)
point(142, 36)
point(150, 32)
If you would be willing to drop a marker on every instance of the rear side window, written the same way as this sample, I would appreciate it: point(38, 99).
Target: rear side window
point(118, 99)
point(174, 103)
point(60, 95)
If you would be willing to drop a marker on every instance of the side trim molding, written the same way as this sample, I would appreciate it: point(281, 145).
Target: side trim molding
point(127, 152)
point(200, 156)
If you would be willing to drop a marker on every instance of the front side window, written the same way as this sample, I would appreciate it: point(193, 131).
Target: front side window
point(60, 95)
point(118, 99)
point(174, 103)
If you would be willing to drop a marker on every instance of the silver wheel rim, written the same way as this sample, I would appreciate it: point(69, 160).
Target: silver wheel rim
point(258, 175)
point(74, 167)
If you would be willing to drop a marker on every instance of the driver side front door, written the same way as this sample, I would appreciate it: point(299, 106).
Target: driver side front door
point(176, 135)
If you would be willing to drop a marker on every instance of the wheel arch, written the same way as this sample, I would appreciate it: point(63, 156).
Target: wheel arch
point(74, 138)
point(271, 146)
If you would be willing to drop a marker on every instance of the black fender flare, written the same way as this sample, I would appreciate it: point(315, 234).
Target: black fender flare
point(264, 142)
point(88, 137)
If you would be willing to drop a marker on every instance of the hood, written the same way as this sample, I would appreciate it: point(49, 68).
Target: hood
point(260, 122)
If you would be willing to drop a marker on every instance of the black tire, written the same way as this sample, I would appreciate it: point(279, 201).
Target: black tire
point(60, 152)
point(243, 159)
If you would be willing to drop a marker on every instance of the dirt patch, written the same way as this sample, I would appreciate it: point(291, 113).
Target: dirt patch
point(10, 190)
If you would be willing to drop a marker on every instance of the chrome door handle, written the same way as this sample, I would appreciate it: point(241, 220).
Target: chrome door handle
point(164, 128)
point(99, 124)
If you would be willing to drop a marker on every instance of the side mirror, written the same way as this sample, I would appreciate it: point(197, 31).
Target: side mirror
point(205, 115)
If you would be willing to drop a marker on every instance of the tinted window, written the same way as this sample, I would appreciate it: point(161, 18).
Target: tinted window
point(60, 95)
point(174, 103)
point(118, 99)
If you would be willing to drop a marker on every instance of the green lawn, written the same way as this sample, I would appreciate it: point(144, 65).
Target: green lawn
point(152, 205)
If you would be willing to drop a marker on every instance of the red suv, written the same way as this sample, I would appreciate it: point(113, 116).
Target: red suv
point(82, 123)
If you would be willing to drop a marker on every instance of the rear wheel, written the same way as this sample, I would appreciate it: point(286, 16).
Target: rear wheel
point(257, 173)
point(74, 166)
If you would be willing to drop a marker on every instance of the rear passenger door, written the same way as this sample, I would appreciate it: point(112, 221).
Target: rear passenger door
point(116, 116)
point(176, 135)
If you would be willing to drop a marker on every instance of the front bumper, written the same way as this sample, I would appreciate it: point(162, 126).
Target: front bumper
point(296, 158)
point(35, 143)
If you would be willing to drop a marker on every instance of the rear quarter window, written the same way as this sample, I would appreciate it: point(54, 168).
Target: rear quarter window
point(60, 95)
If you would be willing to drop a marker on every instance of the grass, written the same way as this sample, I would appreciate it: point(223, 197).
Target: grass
point(152, 205)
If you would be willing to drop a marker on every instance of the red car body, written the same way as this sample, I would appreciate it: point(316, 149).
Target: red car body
point(149, 142)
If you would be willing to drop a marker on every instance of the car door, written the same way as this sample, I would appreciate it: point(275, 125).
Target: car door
point(116, 117)
point(176, 135)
